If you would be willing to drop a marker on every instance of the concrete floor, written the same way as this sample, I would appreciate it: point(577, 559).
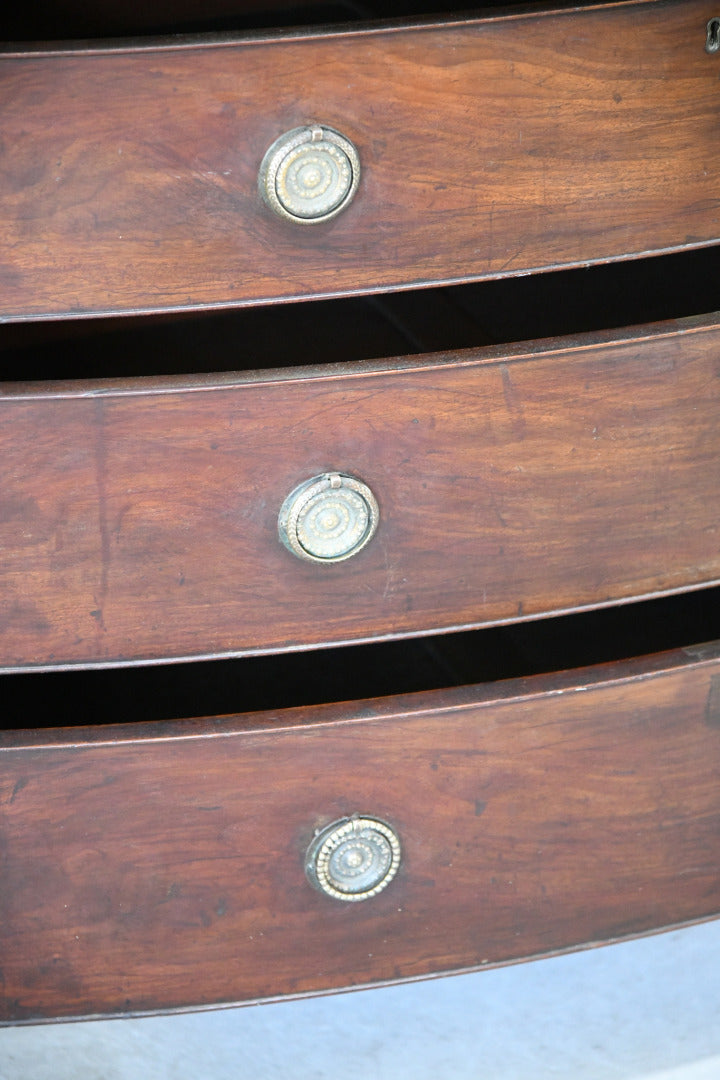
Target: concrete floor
point(646, 1009)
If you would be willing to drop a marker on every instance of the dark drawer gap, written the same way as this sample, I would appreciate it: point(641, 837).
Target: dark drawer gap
point(356, 329)
point(60, 20)
point(166, 692)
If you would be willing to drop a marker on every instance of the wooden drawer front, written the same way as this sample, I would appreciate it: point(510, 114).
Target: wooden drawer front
point(161, 866)
point(141, 521)
point(128, 177)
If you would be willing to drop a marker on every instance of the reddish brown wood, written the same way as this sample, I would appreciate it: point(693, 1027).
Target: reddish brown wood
point(139, 520)
point(128, 177)
point(155, 867)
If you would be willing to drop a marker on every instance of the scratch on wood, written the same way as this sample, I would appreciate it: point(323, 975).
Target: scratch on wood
point(19, 785)
point(512, 402)
point(712, 708)
point(101, 483)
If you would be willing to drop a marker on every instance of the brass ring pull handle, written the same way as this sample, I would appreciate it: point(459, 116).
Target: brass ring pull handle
point(353, 859)
point(328, 518)
point(309, 175)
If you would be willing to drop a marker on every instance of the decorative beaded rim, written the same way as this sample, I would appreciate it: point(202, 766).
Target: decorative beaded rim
point(345, 157)
point(367, 833)
point(295, 526)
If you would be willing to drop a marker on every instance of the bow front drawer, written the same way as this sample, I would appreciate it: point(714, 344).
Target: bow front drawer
point(158, 866)
point(175, 518)
point(136, 178)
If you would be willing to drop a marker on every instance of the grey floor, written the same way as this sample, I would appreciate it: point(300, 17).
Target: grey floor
point(645, 1009)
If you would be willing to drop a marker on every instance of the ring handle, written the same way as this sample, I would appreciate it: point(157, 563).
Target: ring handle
point(354, 858)
point(310, 174)
point(328, 518)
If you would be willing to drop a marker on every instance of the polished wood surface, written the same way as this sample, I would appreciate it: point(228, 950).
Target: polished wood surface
point(128, 176)
point(160, 866)
point(138, 518)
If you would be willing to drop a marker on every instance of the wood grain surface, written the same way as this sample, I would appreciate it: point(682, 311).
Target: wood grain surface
point(489, 147)
point(138, 519)
point(155, 867)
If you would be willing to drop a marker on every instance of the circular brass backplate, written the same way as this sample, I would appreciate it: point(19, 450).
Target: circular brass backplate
point(354, 858)
point(328, 518)
point(309, 174)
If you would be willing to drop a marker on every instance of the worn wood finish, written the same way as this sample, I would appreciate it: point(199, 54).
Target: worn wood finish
point(489, 147)
point(161, 866)
point(139, 520)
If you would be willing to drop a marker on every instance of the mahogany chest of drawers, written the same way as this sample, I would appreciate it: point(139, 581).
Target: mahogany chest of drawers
point(433, 555)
